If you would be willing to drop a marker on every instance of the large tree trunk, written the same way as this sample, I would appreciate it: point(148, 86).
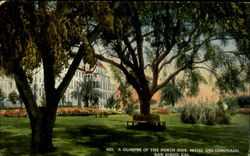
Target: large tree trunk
point(144, 99)
point(42, 129)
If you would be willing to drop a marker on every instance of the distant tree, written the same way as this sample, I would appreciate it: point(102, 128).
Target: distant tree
point(2, 96)
point(76, 94)
point(112, 102)
point(13, 97)
point(88, 93)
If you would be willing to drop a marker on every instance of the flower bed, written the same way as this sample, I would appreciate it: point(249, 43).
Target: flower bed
point(163, 111)
point(160, 111)
point(13, 113)
point(73, 112)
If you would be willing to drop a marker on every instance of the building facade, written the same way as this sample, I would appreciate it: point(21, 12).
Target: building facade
point(98, 75)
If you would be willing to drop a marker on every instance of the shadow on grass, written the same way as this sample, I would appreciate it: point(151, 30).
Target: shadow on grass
point(102, 137)
point(14, 144)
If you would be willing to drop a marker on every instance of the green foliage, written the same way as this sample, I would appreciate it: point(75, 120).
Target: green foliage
point(28, 29)
point(16, 38)
point(232, 104)
point(182, 38)
point(88, 93)
point(112, 102)
point(125, 95)
point(206, 113)
point(230, 80)
point(170, 93)
point(153, 102)
point(13, 97)
point(190, 82)
point(76, 94)
point(131, 108)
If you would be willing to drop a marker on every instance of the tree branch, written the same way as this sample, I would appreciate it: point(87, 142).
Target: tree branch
point(25, 91)
point(139, 37)
point(133, 81)
point(210, 70)
point(104, 59)
point(156, 88)
point(76, 62)
point(131, 50)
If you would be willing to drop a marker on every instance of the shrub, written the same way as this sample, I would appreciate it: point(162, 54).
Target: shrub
point(232, 104)
point(206, 113)
point(101, 114)
point(113, 112)
point(84, 112)
point(131, 109)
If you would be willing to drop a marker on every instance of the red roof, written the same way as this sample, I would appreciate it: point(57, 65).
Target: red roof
point(86, 71)
point(91, 71)
point(100, 65)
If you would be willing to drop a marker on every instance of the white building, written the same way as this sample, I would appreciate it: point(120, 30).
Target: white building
point(98, 75)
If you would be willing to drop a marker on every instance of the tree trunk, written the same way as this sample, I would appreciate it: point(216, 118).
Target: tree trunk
point(144, 100)
point(87, 102)
point(79, 101)
point(41, 135)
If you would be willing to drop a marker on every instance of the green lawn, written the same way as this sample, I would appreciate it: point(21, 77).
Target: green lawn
point(90, 136)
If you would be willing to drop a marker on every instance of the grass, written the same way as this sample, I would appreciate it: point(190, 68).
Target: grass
point(90, 136)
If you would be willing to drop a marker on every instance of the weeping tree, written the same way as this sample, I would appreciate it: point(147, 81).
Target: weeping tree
point(181, 40)
point(41, 35)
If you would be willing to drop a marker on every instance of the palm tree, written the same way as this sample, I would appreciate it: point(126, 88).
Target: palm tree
point(76, 94)
point(89, 93)
point(13, 97)
point(85, 92)
point(170, 93)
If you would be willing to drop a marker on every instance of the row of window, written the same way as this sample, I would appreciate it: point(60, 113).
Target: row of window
point(95, 84)
point(7, 85)
point(96, 76)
